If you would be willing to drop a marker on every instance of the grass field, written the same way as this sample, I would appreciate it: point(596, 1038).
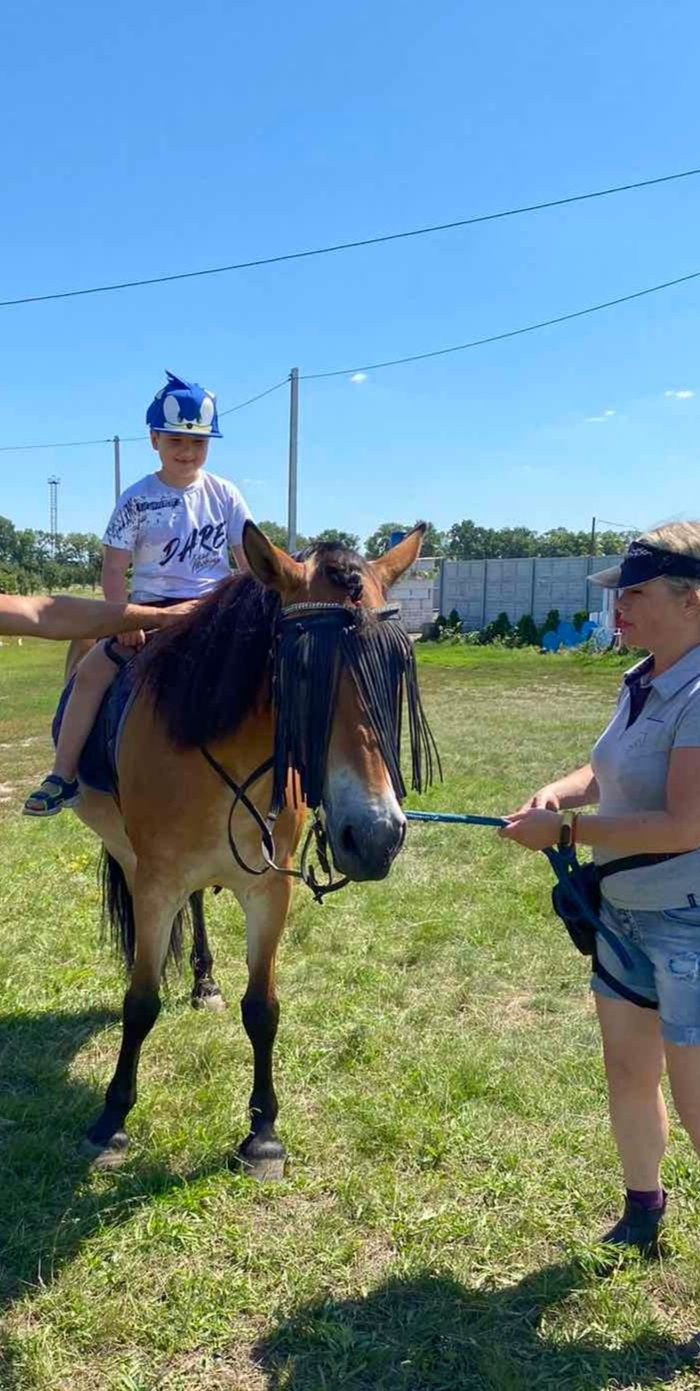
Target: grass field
point(442, 1099)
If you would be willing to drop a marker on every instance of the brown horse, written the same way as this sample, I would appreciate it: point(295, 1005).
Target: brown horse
point(284, 686)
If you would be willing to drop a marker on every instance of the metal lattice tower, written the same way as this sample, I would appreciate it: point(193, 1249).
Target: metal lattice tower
point(53, 510)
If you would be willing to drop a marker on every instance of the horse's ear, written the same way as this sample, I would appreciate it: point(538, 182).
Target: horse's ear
point(273, 567)
point(390, 566)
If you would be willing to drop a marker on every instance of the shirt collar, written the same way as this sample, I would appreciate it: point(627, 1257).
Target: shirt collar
point(669, 682)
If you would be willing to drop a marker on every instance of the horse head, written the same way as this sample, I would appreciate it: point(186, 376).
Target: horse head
point(342, 660)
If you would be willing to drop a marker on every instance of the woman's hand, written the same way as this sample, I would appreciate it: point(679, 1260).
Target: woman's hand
point(533, 827)
point(547, 798)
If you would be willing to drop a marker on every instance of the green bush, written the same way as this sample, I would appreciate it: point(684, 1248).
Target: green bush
point(526, 631)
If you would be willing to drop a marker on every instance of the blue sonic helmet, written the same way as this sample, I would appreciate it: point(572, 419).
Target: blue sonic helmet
point(183, 408)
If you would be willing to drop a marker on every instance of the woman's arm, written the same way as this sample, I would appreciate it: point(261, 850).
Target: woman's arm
point(63, 617)
point(578, 789)
point(677, 829)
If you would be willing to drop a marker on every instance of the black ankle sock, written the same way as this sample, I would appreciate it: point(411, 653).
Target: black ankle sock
point(650, 1198)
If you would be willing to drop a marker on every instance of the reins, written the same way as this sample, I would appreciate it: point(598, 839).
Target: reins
point(305, 872)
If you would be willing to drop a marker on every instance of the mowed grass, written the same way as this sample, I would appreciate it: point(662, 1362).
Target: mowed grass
point(442, 1100)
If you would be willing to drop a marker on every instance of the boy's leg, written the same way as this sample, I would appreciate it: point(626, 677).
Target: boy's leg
point(92, 679)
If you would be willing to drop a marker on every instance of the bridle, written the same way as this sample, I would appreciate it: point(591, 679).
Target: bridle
point(312, 643)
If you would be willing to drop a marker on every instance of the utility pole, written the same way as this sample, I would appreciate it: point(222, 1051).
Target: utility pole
point(53, 511)
point(293, 448)
point(117, 469)
point(593, 537)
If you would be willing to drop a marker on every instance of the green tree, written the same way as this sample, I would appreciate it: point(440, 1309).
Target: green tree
point(277, 534)
point(8, 540)
point(467, 541)
point(434, 542)
point(513, 542)
point(560, 541)
point(338, 538)
point(613, 542)
point(376, 544)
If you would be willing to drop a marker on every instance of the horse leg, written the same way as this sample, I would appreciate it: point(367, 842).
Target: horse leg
point(262, 1155)
point(106, 1140)
point(205, 991)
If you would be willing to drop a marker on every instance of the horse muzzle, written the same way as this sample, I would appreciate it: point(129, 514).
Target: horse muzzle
point(365, 833)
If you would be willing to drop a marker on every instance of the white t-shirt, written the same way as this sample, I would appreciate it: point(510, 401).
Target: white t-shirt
point(178, 537)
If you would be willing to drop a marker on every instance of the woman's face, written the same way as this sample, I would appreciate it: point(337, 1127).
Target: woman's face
point(654, 614)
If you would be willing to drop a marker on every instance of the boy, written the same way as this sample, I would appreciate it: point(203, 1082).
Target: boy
point(175, 527)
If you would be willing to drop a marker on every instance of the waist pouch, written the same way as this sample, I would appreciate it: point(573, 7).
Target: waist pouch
point(576, 896)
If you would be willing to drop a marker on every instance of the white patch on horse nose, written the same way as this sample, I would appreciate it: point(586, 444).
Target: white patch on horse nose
point(348, 796)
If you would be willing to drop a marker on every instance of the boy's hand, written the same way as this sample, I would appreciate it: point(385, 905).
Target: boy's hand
point(135, 639)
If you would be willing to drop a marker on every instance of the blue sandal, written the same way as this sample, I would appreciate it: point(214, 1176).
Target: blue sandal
point(53, 795)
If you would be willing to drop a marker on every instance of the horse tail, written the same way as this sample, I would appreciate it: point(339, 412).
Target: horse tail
point(118, 915)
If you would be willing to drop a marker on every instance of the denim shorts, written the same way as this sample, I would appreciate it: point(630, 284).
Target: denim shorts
point(664, 948)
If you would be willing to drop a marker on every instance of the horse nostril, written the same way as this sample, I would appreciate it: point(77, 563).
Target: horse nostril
point(348, 841)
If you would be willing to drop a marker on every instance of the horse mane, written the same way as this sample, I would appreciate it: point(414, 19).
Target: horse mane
point(206, 672)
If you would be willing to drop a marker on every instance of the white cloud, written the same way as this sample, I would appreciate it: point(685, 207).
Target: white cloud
point(253, 482)
point(680, 395)
point(608, 412)
point(359, 377)
point(594, 419)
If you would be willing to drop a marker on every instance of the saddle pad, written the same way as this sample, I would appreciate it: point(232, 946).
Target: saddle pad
point(98, 762)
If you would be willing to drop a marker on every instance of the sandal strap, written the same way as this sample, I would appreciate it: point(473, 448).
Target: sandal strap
point(53, 789)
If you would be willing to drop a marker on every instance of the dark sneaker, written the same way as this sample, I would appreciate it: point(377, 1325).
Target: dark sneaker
point(53, 795)
point(638, 1227)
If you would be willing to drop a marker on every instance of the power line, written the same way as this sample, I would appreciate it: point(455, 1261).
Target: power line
point(132, 439)
point(398, 361)
point(259, 261)
point(499, 337)
point(61, 444)
point(252, 399)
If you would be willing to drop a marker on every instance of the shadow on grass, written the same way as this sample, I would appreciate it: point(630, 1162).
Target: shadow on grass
point(430, 1333)
point(47, 1209)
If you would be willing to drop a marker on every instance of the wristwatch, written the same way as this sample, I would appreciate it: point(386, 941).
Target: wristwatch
point(566, 831)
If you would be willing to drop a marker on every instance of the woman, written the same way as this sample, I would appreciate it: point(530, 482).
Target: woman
point(644, 776)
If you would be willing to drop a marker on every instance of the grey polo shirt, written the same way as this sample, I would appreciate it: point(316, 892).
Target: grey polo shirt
point(631, 761)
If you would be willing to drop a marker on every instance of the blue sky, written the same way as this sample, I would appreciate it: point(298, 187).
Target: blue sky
point(152, 139)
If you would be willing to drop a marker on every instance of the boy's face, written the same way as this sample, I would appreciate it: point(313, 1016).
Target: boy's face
point(180, 455)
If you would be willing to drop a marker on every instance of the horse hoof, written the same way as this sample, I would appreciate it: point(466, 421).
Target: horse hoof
point(265, 1162)
point(211, 1000)
point(108, 1156)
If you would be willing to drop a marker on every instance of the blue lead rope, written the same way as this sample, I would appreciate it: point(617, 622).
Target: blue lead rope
point(450, 816)
point(563, 862)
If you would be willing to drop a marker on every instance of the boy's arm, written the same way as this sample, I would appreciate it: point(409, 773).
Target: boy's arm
point(115, 563)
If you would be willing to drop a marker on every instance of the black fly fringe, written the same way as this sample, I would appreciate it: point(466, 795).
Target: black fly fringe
point(310, 653)
point(304, 690)
point(379, 654)
point(118, 914)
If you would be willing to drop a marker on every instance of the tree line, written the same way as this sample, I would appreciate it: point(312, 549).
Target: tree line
point(467, 541)
point(32, 560)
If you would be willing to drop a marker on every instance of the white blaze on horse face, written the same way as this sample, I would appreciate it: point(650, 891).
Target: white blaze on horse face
point(347, 798)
